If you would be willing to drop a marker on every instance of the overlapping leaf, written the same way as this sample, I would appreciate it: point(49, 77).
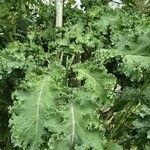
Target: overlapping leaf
point(30, 110)
point(48, 115)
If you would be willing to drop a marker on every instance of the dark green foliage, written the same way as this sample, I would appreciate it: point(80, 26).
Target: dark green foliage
point(84, 86)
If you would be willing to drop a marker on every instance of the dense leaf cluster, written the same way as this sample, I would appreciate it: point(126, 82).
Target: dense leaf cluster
point(84, 86)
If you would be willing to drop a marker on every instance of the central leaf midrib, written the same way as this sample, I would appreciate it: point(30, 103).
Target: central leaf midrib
point(90, 77)
point(38, 107)
point(73, 124)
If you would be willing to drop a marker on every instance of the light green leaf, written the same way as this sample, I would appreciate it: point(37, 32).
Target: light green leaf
point(30, 109)
point(113, 146)
point(80, 126)
point(98, 83)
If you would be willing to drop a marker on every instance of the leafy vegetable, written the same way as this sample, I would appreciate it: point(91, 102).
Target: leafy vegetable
point(84, 86)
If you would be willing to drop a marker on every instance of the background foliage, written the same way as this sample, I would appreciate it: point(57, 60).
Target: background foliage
point(95, 95)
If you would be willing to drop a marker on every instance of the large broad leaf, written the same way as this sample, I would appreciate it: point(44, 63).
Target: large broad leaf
point(74, 121)
point(97, 82)
point(134, 63)
point(74, 124)
point(47, 116)
point(30, 109)
point(143, 61)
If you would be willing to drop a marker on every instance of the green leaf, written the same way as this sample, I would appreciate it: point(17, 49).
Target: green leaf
point(98, 82)
point(113, 146)
point(47, 115)
point(147, 147)
point(80, 126)
point(30, 109)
